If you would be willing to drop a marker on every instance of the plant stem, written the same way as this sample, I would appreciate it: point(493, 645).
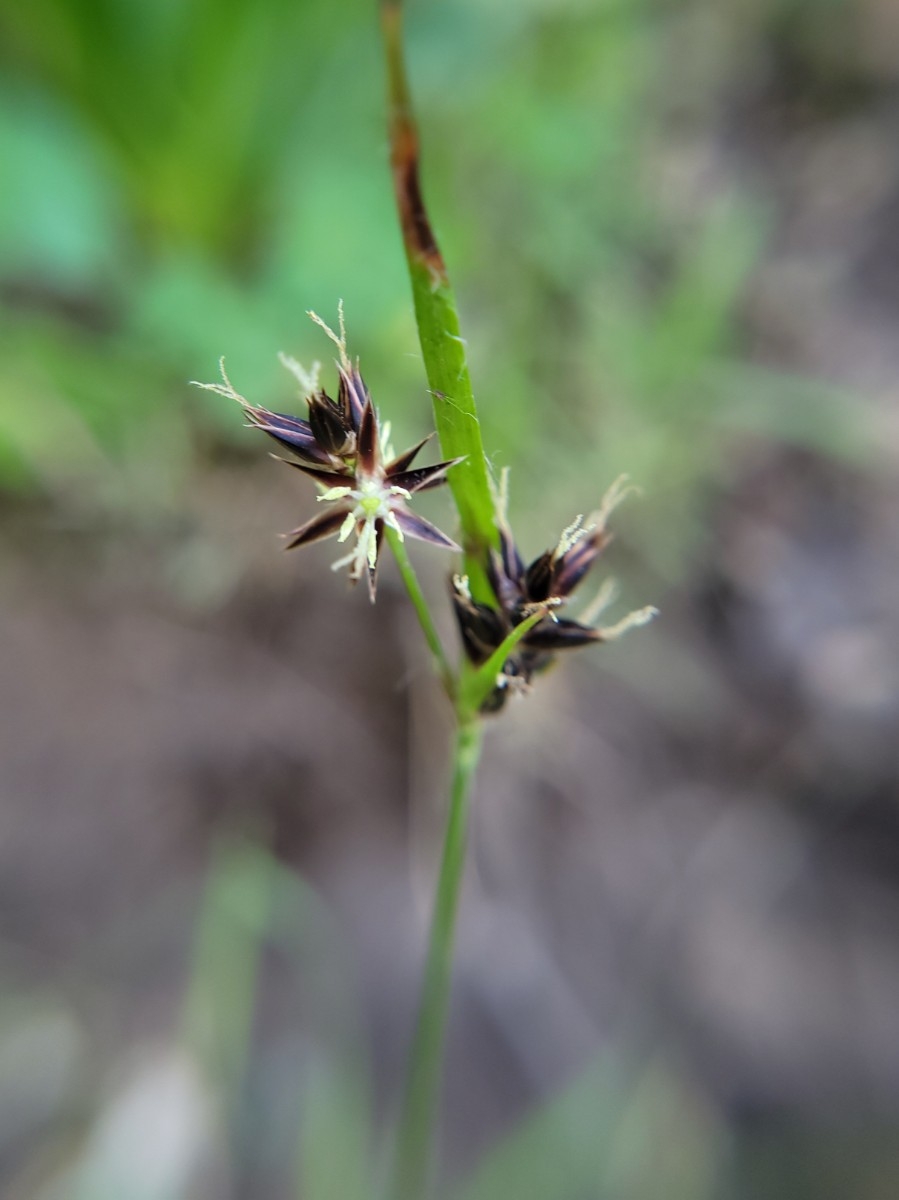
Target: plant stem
point(420, 604)
point(416, 1128)
point(442, 347)
point(456, 418)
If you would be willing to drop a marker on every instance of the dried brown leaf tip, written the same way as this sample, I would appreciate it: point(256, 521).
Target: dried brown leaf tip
point(344, 448)
point(544, 585)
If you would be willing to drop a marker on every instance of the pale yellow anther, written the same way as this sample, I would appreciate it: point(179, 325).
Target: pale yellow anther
point(394, 524)
point(462, 586)
point(335, 493)
point(346, 528)
point(372, 546)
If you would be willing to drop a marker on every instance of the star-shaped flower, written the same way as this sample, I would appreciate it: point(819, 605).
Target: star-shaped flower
point(343, 448)
point(545, 585)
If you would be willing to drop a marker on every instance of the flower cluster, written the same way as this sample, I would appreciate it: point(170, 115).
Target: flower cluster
point(543, 586)
point(366, 490)
point(343, 448)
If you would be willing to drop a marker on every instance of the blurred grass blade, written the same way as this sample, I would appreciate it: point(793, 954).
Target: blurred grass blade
point(631, 1125)
point(335, 1161)
point(559, 1150)
point(232, 924)
point(442, 348)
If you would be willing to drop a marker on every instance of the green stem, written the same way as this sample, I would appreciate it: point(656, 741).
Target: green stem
point(420, 604)
point(417, 1118)
point(456, 418)
point(442, 347)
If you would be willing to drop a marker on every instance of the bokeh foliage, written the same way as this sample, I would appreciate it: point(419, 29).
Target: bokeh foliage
point(184, 180)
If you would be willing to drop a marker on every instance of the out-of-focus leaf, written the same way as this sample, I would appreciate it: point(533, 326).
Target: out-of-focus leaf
point(642, 1133)
point(335, 1160)
point(60, 210)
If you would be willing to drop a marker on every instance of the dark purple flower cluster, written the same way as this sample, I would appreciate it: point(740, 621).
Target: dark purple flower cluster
point(366, 490)
point(343, 448)
point(542, 586)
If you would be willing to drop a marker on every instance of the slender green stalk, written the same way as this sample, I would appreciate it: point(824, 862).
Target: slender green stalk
point(442, 347)
point(456, 418)
point(416, 1128)
point(420, 604)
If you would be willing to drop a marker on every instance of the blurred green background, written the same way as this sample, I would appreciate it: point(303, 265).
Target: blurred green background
point(673, 228)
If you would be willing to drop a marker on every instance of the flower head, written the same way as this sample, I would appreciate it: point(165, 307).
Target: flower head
point(544, 585)
point(344, 449)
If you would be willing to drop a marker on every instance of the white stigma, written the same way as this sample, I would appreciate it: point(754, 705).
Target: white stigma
point(339, 340)
point(620, 490)
point(571, 536)
point(633, 620)
point(308, 380)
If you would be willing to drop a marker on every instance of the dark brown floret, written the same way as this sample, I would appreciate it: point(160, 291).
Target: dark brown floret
point(340, 448)
point(521, 590)
point(330, 426)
